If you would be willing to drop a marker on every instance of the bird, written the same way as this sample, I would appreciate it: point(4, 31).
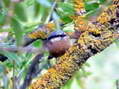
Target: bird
point(57, 43)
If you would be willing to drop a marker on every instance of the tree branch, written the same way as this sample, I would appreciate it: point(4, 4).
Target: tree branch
point(28, 49)
point(31, 71)
point(72, 60)
point(95, 39)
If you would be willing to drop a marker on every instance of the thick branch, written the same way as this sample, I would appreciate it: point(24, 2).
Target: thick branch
point(72, 60)
point(96, 38)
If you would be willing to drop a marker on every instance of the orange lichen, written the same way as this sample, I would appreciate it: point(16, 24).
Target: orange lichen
point(95, 37)
point(79, 7)
point(42, 32)
point(72, 60)
point(107, 15)
point(37, 34)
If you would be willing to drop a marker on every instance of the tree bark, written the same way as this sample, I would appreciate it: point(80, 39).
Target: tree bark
point(97, 36)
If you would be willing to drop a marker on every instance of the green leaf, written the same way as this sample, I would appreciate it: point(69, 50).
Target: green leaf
point(91, 6)
point(37, 9)
point(66, 8)
point(18, 31)
point(66, 19)
point(69, 27)
point(20, 11)
point(3, 13)
point(37, 43)
point(2, 19)
point(29, 2)
point(9, 65)
point(102, 1)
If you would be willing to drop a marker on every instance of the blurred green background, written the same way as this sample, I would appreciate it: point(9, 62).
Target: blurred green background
point(18, 17)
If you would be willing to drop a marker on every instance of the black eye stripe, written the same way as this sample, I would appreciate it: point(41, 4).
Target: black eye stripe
point(55, 37)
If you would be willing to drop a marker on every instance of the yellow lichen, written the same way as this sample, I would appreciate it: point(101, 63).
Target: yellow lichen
point(95, 38)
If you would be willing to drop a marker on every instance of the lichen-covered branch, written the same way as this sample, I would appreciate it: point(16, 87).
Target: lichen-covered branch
point(72, 60)
point(41, 32)
point(98, 36)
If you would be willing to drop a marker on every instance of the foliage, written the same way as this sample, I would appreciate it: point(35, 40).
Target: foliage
point(19, 17)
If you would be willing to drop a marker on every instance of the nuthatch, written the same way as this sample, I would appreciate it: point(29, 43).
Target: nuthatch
point(57, 43)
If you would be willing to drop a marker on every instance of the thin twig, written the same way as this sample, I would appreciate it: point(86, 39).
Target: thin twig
point(28, 49)
point(51, 12)
point(14, 79)
point(31, 71)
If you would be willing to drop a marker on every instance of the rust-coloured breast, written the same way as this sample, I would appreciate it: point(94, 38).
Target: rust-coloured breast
point(58, 47)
